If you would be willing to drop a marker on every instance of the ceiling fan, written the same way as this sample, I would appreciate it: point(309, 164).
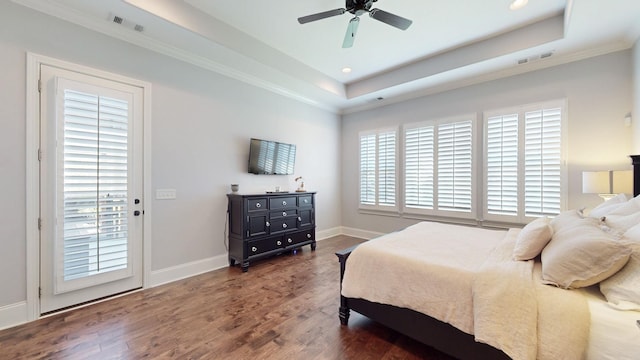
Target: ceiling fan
point(357, 8)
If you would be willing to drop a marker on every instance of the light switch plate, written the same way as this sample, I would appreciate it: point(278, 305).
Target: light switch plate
point(165, 194)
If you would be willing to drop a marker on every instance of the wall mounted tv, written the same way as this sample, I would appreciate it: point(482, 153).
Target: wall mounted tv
point(271, 157)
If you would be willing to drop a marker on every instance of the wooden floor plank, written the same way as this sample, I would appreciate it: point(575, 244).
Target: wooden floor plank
point(285, 307)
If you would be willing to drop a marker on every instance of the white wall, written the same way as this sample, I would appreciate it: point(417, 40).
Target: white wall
point(636, 99)
point(201, 125)
point(598, 92)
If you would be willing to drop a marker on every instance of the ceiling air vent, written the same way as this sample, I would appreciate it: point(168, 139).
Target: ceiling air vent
point(535, 58)
point(122, 21)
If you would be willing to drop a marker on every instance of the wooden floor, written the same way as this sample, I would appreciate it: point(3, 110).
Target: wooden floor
point(285, 307)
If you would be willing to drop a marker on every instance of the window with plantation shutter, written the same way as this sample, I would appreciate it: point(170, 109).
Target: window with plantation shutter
point(378, 173)
point(368, 169)
point(419, 144)
point(523, 162)
point(438, 167)
point(502, 164)
point(387, 168)
point(95, 183)
point(455, 166)
point(542, 160)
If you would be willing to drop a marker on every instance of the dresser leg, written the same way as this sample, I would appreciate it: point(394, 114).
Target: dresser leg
point(245, 266)
point(232, 262)
point(313, 246)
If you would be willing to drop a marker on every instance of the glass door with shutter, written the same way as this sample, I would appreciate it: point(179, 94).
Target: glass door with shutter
point(91, 183)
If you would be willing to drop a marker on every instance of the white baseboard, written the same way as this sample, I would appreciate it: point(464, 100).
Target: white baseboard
point(359, 233)
point(16, 314)
point(183, 271)
point(328, 233)
point(13, 315)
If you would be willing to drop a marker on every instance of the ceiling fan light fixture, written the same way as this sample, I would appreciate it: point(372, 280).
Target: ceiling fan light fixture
point(518, 4)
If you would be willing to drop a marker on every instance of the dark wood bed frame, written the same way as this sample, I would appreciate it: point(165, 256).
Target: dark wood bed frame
point(424, 328)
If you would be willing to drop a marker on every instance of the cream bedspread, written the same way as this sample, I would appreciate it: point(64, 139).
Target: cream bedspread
point(464, 276)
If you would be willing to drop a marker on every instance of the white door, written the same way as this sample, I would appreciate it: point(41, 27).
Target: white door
point(90, 188)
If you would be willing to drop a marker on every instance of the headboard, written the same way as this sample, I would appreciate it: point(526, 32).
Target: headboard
point(635, 160)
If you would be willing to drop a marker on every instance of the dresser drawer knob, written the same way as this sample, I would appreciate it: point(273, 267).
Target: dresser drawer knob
point(284, 213)
point(306, 201)
point(254, 249)
point(268, 224)
point(289, 240)
point(284, 226)
point(258, 205)
point(299, 219)
point(308, 236)
point(284, 203)
point(279, 242)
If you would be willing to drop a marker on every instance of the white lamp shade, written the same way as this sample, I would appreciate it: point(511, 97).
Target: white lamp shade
point(596, 182)
point(623, 182)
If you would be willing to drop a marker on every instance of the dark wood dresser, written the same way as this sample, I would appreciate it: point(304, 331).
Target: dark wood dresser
point(262, 225)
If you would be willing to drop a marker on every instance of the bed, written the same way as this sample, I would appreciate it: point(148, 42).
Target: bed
point(462, 315)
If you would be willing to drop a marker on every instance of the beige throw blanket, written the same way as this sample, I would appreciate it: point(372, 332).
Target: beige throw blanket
point(428, 267)
point(515, 312)
point(465, 277)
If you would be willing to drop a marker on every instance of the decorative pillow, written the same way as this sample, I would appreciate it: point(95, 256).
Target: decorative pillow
point(582, 255)
point(608, 206)
point(622, 290)
point(532, 239)
point(568, 219)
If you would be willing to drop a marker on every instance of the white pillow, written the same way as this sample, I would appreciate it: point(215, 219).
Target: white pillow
point(622, 223)
point(532, 239)
point(608, 206)
point(622, 290)
point(628, 208)
point(582, 255)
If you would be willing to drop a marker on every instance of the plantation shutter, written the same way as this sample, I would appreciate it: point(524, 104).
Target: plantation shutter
point(95, 163)
point(368, 169)
point(455, 166)
point(542, 162)
point(502, 165)
point(387, 168)
point(419, 167)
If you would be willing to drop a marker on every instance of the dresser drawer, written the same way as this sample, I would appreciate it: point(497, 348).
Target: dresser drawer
point(256, 205)
point(283, 224)
point(305, 201)
point(282, 203)
point(299, 237)
point(258, 247)
point(281, 214)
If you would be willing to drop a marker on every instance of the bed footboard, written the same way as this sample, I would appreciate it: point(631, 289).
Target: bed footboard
point(421, 327)
point(343, 311)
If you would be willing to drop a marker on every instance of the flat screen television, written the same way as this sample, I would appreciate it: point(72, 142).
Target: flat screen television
point(271, 157)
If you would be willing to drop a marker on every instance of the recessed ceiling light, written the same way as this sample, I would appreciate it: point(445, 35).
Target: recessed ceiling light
point(518, 4)
point(346, 70)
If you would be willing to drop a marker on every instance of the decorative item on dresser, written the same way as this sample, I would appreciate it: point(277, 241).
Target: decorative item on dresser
point(262, 225)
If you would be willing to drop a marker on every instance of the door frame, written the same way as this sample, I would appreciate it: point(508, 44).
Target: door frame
point(34, 61)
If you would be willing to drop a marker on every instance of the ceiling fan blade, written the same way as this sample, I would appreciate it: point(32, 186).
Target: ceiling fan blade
point(350, 36)
point(390, 19)
point(319, 16)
